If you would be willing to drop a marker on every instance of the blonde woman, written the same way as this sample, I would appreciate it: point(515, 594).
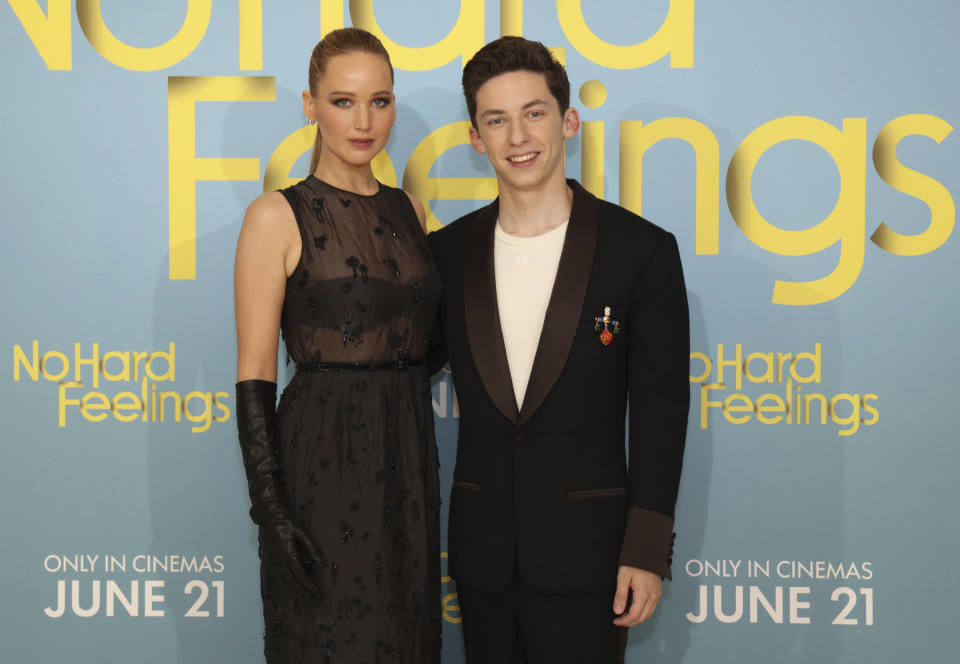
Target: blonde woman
point(343, 472)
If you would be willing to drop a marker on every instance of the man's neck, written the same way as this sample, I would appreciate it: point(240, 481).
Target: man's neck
point(528, 213)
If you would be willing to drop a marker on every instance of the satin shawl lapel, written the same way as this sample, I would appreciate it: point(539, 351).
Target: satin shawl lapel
point(566, 300)
point(482, 314)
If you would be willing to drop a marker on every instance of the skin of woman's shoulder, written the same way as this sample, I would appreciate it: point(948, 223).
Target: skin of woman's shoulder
point(268, 212)
point(270, 226)
point(418, 208)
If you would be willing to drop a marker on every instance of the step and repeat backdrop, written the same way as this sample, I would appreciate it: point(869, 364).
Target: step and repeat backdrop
point(804, 154)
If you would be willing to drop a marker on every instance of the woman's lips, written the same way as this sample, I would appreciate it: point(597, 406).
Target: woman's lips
point(362, 143)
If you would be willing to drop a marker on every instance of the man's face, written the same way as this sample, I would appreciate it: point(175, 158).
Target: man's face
point(521, 130)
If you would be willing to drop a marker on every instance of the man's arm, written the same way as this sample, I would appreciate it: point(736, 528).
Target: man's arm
point(658, 334)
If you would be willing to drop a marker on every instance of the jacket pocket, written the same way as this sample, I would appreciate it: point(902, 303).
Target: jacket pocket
point(598, 493)
point(469, 486)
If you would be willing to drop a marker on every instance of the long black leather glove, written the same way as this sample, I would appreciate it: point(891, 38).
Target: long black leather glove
point(285, 547)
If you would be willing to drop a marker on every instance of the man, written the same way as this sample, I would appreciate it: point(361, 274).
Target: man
point(556, 306)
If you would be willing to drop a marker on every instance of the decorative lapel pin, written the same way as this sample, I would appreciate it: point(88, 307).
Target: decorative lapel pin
point(602, 325)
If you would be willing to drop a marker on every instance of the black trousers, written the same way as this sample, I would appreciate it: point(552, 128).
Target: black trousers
point(519, 625)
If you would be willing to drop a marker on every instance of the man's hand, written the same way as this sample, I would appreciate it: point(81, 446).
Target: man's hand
point(647, 588)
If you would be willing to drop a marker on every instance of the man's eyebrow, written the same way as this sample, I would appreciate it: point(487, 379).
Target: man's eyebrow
point(497, 111)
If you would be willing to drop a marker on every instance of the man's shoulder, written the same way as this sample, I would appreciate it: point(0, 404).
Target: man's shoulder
point(456, 230)
point(618, 219)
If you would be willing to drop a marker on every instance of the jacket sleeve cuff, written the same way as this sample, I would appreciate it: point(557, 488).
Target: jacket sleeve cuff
point(648, 541)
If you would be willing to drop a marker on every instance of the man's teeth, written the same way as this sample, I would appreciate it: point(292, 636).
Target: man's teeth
point(525, 157)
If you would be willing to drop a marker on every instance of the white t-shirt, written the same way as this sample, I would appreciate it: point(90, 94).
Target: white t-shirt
point(525, 269)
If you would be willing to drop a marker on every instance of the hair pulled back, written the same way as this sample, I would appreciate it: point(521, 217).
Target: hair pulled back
point(339, 42)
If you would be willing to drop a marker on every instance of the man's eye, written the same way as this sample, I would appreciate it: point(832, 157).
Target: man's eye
point(495, 122)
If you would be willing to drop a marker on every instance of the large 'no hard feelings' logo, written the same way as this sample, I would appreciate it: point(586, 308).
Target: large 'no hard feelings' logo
point(845, 225)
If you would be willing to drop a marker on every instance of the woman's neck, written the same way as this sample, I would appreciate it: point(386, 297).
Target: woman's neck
point(358, 179)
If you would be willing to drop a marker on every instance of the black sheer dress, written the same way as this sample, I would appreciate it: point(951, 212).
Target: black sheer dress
point(356, 444)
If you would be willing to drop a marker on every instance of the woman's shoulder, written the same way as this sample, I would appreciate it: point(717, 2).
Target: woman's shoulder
point(418, 209)
point(402, 197)
point(271, 205)
point(268, 214)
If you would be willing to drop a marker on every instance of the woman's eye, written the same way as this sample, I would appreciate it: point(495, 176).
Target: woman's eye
point(342, 103)
point(381, 102)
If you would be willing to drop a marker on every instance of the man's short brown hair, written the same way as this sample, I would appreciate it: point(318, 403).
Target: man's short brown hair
point(509, 54)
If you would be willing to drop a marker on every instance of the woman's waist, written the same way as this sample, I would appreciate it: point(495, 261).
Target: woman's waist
point(398, 364)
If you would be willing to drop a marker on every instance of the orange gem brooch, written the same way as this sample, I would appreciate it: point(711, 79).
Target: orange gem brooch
point(606, 326)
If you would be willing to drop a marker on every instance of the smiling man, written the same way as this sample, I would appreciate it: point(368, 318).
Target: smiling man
point(556, 308)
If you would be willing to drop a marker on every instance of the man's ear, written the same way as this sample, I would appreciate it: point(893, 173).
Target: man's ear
point(571, 122)
point(476, 141)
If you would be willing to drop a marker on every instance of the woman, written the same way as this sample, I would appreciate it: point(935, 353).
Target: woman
point(343, 474)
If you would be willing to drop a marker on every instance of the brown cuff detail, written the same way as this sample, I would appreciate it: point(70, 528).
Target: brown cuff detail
point(648, 541)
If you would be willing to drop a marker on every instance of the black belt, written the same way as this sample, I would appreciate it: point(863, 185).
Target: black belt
point(401, 364)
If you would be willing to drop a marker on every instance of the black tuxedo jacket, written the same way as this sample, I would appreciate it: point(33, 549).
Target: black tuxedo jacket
point(546, 489)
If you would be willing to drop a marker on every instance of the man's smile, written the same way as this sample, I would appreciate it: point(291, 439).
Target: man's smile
point(521, 158)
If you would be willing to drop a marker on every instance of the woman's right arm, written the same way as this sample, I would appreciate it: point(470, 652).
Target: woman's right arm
point(267, 252)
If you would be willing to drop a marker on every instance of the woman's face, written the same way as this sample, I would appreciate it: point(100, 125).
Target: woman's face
point(354, 108)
